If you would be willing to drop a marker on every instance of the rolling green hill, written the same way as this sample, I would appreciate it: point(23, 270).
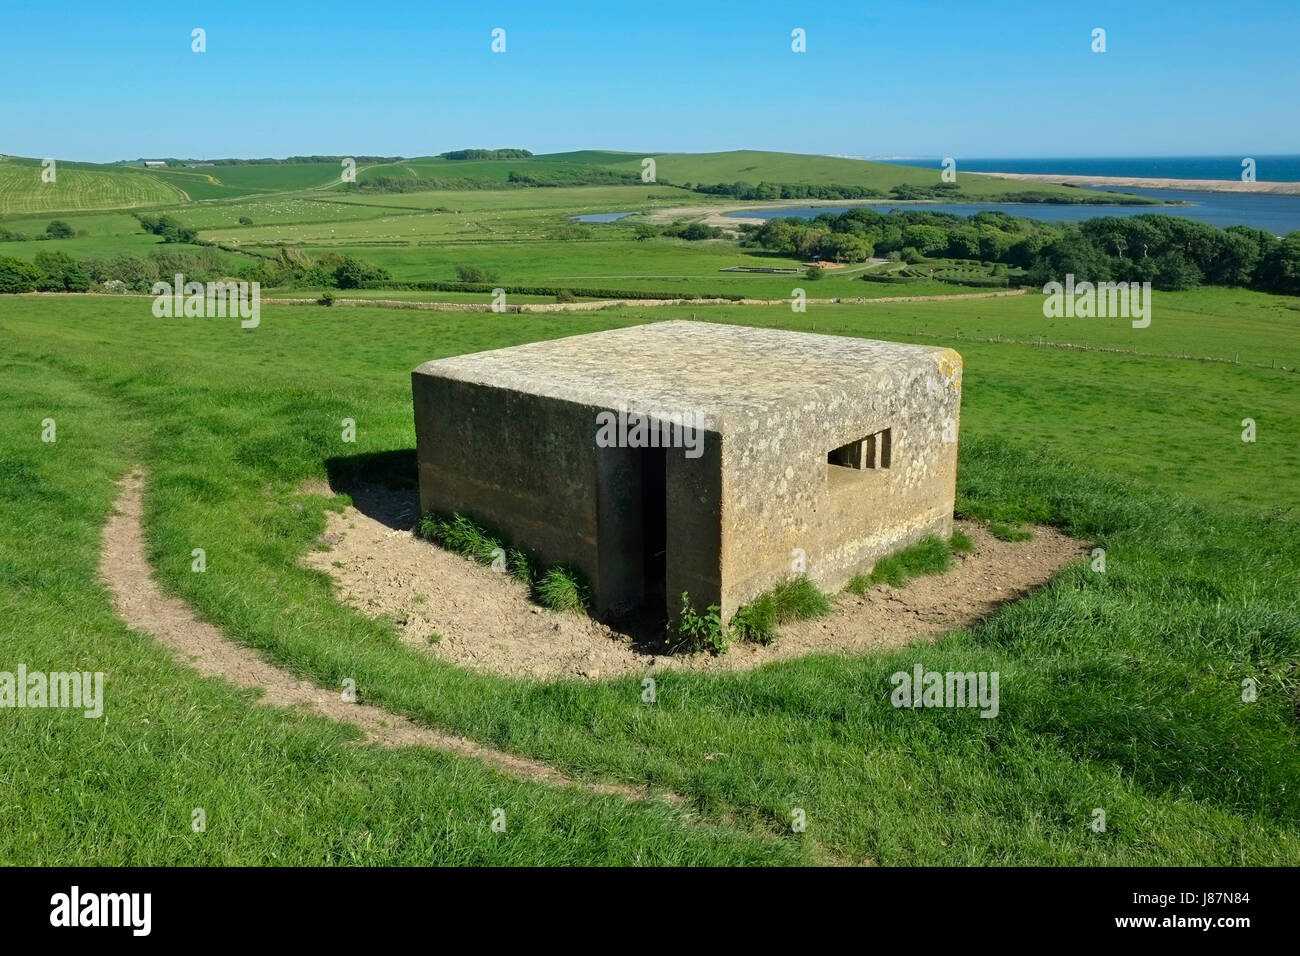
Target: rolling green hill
point(86, 186)
point(709, 169)
point(78, 186)
point(587, 166)
point(233, 182)
point(755, 166)
point(91, 186)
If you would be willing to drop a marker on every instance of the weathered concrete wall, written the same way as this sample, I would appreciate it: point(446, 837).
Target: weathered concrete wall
point(694, 509)
point(528, 467)
point(780, 494)
point(508, 437)
point(522, 465)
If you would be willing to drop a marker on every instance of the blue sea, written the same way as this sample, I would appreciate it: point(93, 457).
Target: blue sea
point(1273, 169)
point(1279, 215)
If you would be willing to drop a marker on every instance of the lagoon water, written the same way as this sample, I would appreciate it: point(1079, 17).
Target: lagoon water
point(600, 217)
point(1277, 214)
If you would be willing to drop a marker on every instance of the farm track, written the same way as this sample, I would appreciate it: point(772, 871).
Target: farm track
point(598, 304)
point(141, 603)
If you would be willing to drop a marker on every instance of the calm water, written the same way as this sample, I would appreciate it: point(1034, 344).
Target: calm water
point(600, 217)
point(1273, 169)
point(1277, 214)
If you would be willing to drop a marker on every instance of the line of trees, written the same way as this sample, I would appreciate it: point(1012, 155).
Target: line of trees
point(1168, 251)
point(540, 175)
point(1171, 253)
point(859, 234)
point(571, 175)
point(486, 154)
point(950, 192)
point(58, 272)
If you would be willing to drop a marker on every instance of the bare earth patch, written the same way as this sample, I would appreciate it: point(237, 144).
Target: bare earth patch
point(462, 612)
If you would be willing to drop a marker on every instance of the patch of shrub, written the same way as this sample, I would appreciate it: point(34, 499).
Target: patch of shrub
point(352, 273)
point(793, 600)
point(694, 231)
point(58, 229)
point(18, 275)
point(170, 229)
point(460, 534)
point(560, 588)
point(700, 632)
point(930, 555)
point(468, 273)
point(60, 273)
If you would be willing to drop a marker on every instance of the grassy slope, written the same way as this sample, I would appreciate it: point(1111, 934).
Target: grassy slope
point(1118, 691)
point(77, 186)
point(497, 170)
point(751, 166)
point(235, 182)
point(755, 166)
point(92, 186)
point(89, 186)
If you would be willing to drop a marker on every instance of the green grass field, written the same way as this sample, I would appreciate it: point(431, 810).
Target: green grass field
point(525, 238)
point(90, 186)
point(1120, 691)
point(77, 186)
point(234, 182)
point(751, 166)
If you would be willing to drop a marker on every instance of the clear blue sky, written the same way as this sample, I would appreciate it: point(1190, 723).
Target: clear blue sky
point(105, 81)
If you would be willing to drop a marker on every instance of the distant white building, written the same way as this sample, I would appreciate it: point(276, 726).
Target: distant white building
point(155, 164)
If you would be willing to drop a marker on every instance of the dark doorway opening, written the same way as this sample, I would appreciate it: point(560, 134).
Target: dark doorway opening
point(654, 526)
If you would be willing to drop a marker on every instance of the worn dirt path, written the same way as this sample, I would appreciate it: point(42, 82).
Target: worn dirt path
point(587, 306)
point(597, 305)
point(140, 602)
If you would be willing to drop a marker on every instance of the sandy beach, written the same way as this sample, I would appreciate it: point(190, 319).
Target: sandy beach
point(1200, 185)
point(716, 215)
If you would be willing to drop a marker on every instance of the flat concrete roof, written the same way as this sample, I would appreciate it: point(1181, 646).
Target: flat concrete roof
point(695, 366)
